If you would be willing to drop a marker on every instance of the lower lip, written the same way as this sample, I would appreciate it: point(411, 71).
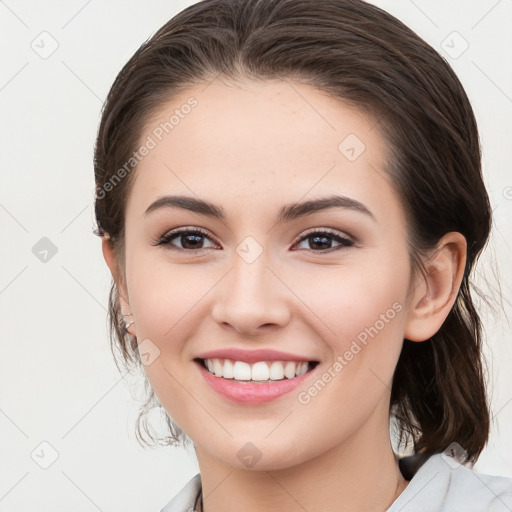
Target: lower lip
point(247, 392)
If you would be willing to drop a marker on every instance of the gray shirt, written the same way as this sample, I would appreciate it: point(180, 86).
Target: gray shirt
point(440, 485)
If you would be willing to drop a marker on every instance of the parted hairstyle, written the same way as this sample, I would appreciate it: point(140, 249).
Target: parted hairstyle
point(367, 58)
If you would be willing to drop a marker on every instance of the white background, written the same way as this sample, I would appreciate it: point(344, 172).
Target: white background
point(58, 382)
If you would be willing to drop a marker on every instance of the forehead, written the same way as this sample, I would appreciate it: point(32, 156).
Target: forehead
point(259, 143)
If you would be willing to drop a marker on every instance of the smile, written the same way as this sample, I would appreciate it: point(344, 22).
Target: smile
point(260, 371)
point(257, 383)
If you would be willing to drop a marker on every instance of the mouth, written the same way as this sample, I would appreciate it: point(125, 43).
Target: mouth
point(260, 372)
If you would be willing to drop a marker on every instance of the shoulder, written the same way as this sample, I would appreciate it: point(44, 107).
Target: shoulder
point(443, 485)
point(186, 499)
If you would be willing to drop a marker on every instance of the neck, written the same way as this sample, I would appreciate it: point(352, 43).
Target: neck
point(359, 474)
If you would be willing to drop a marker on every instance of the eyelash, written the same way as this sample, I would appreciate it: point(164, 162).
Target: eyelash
point(166, 239)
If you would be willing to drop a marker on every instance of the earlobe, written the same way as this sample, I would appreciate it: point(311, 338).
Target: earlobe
point(111, 260)
point(108, 254)
point(434, 294)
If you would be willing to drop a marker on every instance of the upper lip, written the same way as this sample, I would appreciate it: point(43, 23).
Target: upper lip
point(253, 356)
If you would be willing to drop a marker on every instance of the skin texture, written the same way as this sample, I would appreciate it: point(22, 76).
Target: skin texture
point(251, 148)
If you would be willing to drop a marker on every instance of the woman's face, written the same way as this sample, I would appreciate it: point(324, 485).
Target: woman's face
point(267, 276)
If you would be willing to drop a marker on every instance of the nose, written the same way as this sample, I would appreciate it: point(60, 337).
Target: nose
point(251, 299)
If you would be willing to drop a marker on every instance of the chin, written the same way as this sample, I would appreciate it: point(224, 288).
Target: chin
point(259, 456)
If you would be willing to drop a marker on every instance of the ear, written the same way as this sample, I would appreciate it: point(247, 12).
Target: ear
point(434, 295)
point(112, 262)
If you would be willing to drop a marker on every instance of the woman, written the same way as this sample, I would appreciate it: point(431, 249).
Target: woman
point(290, 199)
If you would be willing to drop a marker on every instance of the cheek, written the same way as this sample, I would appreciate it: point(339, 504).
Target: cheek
point(369, 315)
point(361, 300)
point(365, 319)
point(362, 313)
point(164, 296)
point(166, 301)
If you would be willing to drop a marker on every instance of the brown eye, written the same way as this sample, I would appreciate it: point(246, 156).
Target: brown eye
point(190, 240)
point(322, 240)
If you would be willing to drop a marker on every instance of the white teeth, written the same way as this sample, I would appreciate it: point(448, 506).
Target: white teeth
point(301, 369)
point(217, 367)
point(276, 371)
point(289, 370)
point(241, 370)
point(260, 371)
point(227, 371)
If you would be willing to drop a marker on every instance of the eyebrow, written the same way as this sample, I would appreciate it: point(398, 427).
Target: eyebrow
point(286, 213)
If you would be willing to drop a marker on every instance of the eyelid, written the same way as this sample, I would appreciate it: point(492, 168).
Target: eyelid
point(165, 239)
point(331, 231)
point(161, 240)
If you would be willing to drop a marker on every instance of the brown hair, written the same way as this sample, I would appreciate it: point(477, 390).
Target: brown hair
point(366, 57)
